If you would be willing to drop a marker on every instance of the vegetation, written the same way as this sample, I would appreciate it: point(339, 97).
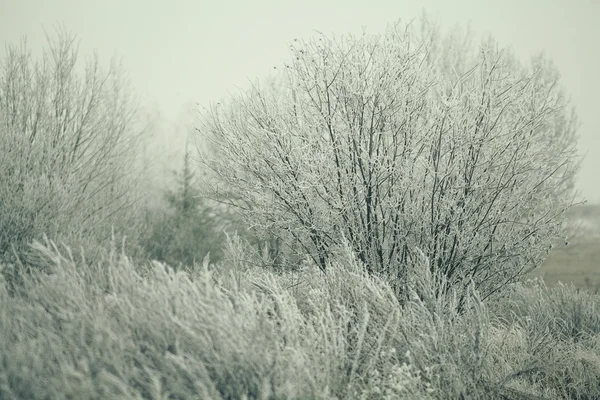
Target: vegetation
point(107, 330)
point(370, 140)
point(189, 229)
point(394, 190)
point(67, 149)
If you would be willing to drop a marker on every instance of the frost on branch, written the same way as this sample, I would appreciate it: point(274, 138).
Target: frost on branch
point(371, 139)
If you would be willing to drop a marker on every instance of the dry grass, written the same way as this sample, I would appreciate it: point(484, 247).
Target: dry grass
point(113, 330)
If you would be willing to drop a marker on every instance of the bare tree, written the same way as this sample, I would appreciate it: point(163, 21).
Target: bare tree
point(67, 145)
point(364, 139)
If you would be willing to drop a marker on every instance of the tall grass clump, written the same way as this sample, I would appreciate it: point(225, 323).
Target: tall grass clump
point(107, 330)
point(558, 330)
point(110, 329)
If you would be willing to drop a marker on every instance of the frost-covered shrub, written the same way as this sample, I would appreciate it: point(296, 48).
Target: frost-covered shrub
point(68, 145)
point(369, 139)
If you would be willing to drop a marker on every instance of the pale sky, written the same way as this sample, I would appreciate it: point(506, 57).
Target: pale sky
point(179, 52)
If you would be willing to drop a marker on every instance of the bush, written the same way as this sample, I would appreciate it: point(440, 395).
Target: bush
point(67, 149)
point(368, 139)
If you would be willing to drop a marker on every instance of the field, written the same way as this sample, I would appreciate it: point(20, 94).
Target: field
point(578, 261)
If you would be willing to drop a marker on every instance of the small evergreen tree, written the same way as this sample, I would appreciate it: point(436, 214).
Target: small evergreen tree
point(189, 229)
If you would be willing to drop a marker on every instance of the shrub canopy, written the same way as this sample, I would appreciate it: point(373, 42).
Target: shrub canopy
point(373, 140)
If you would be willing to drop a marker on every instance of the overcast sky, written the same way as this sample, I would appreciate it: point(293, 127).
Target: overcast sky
point(179, 52)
